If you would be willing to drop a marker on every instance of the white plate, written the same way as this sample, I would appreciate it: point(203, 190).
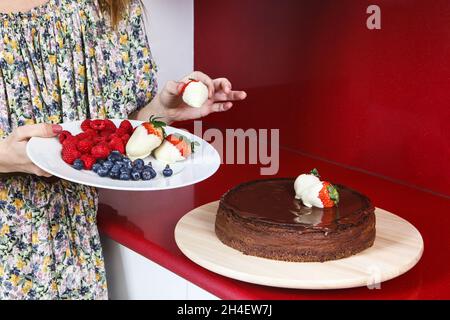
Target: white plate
point(203, 163)
point(397, 248)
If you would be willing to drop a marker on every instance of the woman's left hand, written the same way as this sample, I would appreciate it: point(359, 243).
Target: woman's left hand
point(221, 98)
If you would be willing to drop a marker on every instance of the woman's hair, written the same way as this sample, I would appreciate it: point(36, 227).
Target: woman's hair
point(116, 8)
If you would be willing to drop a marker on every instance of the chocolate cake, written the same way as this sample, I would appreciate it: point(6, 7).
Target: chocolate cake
point(262, 218)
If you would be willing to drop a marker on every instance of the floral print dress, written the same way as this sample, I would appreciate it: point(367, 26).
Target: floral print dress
point(62, 62)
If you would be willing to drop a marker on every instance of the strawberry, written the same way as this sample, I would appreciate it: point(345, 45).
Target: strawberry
point(64, 135)
point(156, 127)
point(88, 161)
point(86, 124)
point(183, 144)
point(85, 146)
point(117, 144)
point(328, 195)
point(70, 153)
point(185, 86)
point(126, 127)
point(109, 125)
point(98, 124)
point(100, 151)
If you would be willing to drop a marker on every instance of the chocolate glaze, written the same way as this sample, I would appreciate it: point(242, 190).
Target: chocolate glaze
point(273, 201)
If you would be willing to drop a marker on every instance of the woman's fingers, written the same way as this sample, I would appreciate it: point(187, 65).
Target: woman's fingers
point(231, 96)
point(174, 87)
point(222, 84)
point(221, 106)
point(43, 130)
point(39, 172)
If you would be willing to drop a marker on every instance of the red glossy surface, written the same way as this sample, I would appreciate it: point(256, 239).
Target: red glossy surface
point(145, 222)
point(377, 100)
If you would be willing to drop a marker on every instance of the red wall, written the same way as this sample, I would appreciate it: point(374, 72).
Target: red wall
point(377, 100)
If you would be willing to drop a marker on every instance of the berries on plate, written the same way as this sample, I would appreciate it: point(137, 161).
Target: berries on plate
point(78, 164)
point(70, 153)
point(167, 172)
point(101, 146)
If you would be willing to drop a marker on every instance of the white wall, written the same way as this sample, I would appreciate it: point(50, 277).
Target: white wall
point(170, 28)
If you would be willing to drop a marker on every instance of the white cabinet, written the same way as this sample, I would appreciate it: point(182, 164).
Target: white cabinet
point(132, 276)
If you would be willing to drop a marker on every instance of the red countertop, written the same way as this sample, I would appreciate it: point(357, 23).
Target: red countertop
point(145, 222)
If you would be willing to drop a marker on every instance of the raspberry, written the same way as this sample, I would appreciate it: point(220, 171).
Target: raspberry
point(98, 124)
point(70, 153)
point(83, 136)
point(100, 151)
point(121, 131)
point(117, 144)
point(86, 124)
point(126, 126)
point(64, 135)
point(112, 136)
point(99, 139)
point(106, 133)
point(88, 161)
point(125, 138)
point(85, 146)
point(70, 141)
point(91, 132)
point(109, 125)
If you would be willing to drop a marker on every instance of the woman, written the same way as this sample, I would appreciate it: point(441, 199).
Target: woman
point(65, 60)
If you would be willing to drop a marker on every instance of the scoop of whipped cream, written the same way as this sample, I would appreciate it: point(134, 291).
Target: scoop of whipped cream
point(195, 93)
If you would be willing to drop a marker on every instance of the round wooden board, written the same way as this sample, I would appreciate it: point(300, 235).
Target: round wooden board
point(398, 247)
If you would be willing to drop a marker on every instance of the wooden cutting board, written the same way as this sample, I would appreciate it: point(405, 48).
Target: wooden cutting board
point(397, 248)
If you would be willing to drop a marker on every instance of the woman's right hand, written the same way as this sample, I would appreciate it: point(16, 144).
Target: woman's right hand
point(13, 155)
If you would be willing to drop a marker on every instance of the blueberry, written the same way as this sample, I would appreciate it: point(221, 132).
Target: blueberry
point(101, 161)
point(120, 163)
point(146, 175)
point(115, 156)
point(96, 166)
point(147, 167)
point(124, 176)
point(78, 164)
point(135, 175)
point(102, 172)
point(138, 163)
point(128, 165)
point(114, 175)
point(116, 168)
point(167, 172)
point(126, 170)
point(152, 172)
point(108, 164)
point(126, 160)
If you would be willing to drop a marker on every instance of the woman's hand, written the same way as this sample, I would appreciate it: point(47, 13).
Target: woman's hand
point(13, 155)
point(170, 106)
